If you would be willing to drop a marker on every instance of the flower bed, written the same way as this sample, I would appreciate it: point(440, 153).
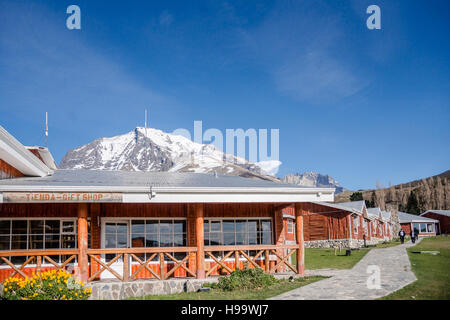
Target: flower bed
point(49, 285)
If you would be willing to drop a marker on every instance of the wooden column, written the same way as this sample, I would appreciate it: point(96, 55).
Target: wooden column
point(280, 235)
point(199, 237)
point(83, 264)
point(299, 238)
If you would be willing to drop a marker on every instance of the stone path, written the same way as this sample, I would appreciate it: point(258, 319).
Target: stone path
point(395, 273)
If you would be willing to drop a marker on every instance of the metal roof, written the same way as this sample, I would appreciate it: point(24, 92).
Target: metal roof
point(404, 217)
point(346, 206)
point(441, 212)
point(61, 178)
point(374, 211)
point(355, 205)
point(386, 214)
point(162, 187)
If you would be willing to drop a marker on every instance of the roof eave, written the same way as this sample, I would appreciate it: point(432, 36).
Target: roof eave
point(15, 154)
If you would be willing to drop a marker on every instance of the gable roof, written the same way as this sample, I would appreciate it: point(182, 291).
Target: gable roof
point(404, 217)
point(355, 205)
point(386, 215)
point(441, 212)
point(352, 206)
point(374, 213)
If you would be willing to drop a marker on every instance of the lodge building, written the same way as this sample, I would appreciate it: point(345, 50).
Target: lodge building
point(346, 224)
point(422, 226)
point(131, 225)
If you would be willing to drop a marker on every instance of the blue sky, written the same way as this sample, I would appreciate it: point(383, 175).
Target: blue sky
point(361, 105)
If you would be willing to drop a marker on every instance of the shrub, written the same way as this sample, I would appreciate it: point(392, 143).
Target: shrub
point(50, 285)
point(254, 278)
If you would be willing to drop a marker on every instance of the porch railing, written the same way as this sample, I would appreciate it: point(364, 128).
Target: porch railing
point(270, 258)
point(133, 254)
point(254, 256)
point(38, 258)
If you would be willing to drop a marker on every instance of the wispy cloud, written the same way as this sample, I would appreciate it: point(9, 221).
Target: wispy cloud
point(45, 66)
point(300, 45)
point(165, 18)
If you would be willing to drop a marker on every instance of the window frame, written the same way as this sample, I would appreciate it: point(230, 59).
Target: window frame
point(235, 232)
point(290, 226)
point(29, 234)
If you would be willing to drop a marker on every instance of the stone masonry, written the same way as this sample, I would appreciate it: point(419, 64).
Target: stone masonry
point(117, 290)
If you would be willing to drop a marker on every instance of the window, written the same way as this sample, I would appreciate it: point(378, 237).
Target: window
point(430, 227)
point(423, 227)
point(355, 223)
point(365, 227)
point(416, 227)
point(154, 233)
point(290, 226)
point(230, 232)
point(34, 234)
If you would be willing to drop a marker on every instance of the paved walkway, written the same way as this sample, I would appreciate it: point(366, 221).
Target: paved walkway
point(395, 273)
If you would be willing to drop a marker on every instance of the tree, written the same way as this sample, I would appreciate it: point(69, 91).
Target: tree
point(412, 206)
point(356, 196)
point(370, 204)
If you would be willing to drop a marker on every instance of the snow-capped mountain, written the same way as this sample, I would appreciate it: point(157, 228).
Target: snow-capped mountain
point(313, 179)
point(154, 150)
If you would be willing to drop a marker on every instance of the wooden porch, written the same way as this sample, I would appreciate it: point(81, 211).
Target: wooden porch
point(197, 260)
point(167, 264)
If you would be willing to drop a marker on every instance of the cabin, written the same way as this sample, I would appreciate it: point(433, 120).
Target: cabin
point(144, 225)
point(378, 224)
point(443, 216)
point(388, 225)
point(333, 224)
point(423, 226)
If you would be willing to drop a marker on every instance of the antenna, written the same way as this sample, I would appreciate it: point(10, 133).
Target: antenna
point(145, 122)
point(46, 128)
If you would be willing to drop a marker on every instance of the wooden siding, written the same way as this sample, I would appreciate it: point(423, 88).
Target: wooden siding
point(323, 222)
point(444, 221)
point(406, 227)
point(37, 154)
point(7, 171)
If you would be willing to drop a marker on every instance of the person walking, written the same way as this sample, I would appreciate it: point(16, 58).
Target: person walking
point(402, 235)
point(413, 236)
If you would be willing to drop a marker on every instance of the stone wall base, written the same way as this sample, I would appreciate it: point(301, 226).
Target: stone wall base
point(117, 290)
point(343, 243)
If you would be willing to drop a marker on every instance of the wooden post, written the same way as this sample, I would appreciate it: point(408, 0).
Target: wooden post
point(126, 267)
point(38, 265)
point(161, 265)
point(267, 260)
point(200, 240)
point(83, 264)
point(236, 260)
point(299, 236)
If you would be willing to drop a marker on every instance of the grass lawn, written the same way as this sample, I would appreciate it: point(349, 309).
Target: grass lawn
point(325, 258)
point(431, 271)
point(257, 294)
point(393, 243)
